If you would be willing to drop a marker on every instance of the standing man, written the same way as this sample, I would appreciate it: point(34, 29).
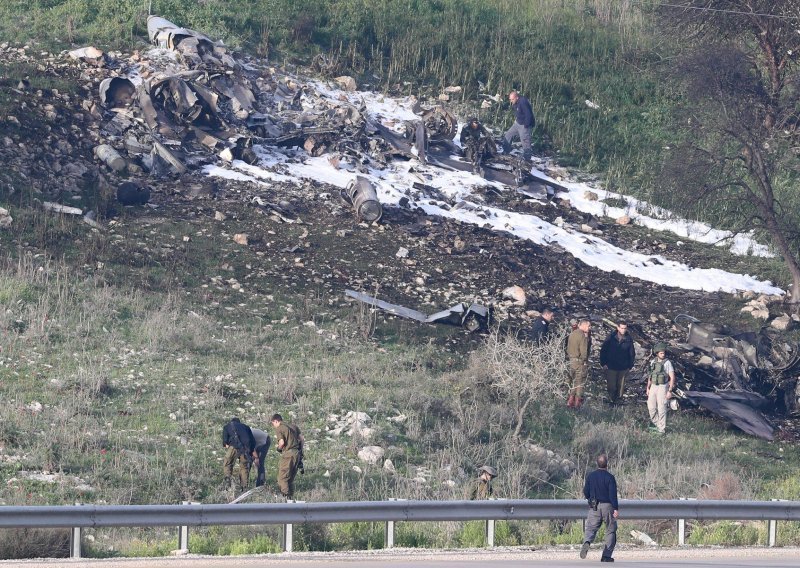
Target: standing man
point(579, 345)
point(541, 327)
point(481, 488)
point(290, 446)
point(262, 441)
point(617, 355)
point(600, 490)
point(524, 122)
point(660, 384)
point(238, 439)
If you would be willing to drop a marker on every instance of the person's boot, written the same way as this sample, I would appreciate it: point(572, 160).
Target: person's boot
point(571, 401)
point(585, 549)
point(578, 401)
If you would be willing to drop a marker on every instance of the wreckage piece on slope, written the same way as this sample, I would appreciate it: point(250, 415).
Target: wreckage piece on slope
point(740, 415)
point(361, 194)
point(472, 317)
point(196, 48)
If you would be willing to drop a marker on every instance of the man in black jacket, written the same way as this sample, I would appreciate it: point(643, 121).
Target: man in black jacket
point(524, 122)
point(238, 440)
point(600, 490)
point(617, 355)
point(541, 327)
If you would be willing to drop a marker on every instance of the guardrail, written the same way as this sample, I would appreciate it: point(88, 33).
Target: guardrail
point(78, 517)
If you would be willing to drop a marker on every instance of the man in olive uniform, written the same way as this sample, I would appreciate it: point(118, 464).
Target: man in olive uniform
point(477, 143)
point(660, 384)
point(579, 345)
point(481, 488)
point(617, 355)
point(290, 446)
point(237, 439)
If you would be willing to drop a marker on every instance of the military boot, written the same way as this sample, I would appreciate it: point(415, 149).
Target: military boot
point(571, 401)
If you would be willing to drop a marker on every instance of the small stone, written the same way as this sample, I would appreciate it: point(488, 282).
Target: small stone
point(240, 239)
point(624, 220)
point(590, 196)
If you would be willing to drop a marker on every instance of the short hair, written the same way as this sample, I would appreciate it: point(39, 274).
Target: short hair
point(583, 321)
point(547, 311)
point(277, 417)
point(235, 419)
point(513, 92)
point(622, 322)
point(602, 461)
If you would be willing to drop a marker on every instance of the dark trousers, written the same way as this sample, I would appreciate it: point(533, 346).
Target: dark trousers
point(261, 452)
point(603, 514)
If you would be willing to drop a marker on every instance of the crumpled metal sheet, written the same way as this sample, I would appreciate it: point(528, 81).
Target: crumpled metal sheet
point(732, 407)
point(472, 317)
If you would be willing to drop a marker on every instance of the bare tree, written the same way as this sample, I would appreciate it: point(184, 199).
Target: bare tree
point(740, 77)
point(525, 373)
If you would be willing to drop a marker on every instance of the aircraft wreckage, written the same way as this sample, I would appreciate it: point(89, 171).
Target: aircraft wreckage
point(169, 115)
point(738, 376)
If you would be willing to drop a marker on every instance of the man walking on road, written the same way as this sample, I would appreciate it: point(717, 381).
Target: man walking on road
point(524, 122)
point(600, 490)
point(617, 355)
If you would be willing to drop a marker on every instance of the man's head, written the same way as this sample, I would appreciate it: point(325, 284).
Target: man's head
point(488, 472)
point(513, 96)
point(547, 314)
point(602, 461)
point(584, 325)
point(622, 327)
point(235, 419)
point(276, 420)
point(474, 124)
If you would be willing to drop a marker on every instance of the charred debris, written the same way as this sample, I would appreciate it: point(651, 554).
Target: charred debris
point(737, 376)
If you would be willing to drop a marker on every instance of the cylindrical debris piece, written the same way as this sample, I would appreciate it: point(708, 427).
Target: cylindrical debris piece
point(364, 198)
point(111, 157)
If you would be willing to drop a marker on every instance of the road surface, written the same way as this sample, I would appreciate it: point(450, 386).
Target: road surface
point(483, 558)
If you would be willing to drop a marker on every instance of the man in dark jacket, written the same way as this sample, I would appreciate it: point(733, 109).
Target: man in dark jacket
point(600, 490)
point(541, 327)
point(477, 143)
point(238, 440)
point(617, 356)
point(524, 122)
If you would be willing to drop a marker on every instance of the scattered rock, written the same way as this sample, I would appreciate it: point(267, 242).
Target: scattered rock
point(782, 323)
point(241, 239)
point(515, 293)
point(346, 82)
point(371, 454)
point(624, 220)
point(5, 218)
point(590, 196)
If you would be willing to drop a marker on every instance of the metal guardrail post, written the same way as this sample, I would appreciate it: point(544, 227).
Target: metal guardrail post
point(388, 535)
point(75, 538)
point(288, 533)
point(682, 525)
point(183, 533)
point(772, 529)
point(490, 533)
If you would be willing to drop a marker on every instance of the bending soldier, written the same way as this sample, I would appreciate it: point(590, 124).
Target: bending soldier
point(262, 441)
point(477, 143)
point(289, 445)
point(238, 439)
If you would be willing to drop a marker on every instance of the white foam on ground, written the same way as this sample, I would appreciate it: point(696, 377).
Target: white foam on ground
point(395, 182)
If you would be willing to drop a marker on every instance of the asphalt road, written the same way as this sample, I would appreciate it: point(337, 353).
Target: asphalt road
point(501, 558)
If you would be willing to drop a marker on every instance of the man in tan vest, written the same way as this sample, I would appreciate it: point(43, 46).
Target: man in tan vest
point(579, 344)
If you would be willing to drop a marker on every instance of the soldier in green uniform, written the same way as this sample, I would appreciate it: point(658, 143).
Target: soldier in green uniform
point(579, 345)
point(290, 446)
point(481, 488)
point(660, 384)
